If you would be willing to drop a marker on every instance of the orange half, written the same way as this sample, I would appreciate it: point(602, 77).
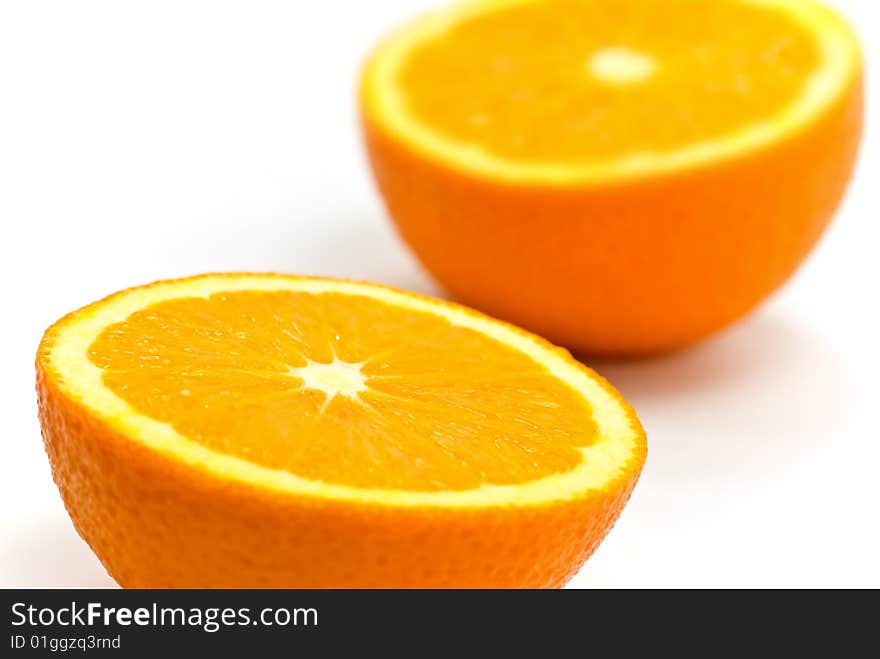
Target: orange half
point(314, 411)
point(621, 177)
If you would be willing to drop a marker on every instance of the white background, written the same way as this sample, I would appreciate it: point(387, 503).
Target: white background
point(142, 140)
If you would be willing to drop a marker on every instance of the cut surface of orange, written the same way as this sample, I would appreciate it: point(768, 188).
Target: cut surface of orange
point(620, 177)
point(320, 394)
point(562, 90)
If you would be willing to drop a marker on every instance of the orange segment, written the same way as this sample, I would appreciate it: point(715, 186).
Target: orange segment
point(611, 80)
point(264, 430)
point(346, 390)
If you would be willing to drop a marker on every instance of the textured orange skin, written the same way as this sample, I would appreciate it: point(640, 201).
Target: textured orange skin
point(157, 523)
point(632, 267)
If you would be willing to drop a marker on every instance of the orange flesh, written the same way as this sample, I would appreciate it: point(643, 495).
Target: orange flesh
point(437, 407)
point(519, 82)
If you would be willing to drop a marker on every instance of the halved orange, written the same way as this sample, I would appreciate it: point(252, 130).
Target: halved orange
point(277, 431)
point(621, 177)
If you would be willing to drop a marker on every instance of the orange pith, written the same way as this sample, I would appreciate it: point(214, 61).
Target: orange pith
point(431, 406)
point(519, 82)
point(250, 430)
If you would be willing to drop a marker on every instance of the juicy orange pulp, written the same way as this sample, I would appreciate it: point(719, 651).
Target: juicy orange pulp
point(609, 80)
point(337, 388)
